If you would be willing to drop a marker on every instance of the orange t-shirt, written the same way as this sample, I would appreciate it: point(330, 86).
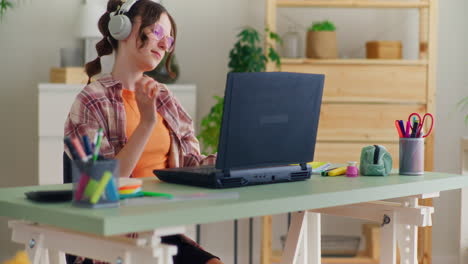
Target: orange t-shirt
point(156, 151)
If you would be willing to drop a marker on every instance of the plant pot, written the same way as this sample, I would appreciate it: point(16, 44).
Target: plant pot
point(322, 45)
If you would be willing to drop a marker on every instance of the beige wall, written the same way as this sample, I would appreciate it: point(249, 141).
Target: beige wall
point(29, 46)
point(30, 38)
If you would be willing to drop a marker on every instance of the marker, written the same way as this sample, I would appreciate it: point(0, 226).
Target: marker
point(408, 126)
point(87, 146)
point(90, 187)
point(76, 143)
point(397, 125)
point(98, 144)
point(415, 129)
point(111, 191)
point(402, 127)
point(337, 172)
point(72, 149)
point(156, 194)
point(101, 186)
point(81, 186)
point(325, 172)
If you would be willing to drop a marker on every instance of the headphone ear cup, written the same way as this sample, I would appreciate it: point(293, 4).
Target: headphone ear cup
point(120, 27)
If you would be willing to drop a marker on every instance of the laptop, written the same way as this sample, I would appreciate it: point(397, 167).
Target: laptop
point(269, 122)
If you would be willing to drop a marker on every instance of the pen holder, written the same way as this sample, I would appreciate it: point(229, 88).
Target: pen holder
point(411, 156)
point(95, 183)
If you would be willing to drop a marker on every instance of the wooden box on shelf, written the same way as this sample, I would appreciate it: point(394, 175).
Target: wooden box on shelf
point(384, 50)
point(68, 75)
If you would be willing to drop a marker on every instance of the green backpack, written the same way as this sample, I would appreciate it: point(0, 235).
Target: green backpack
point(375, 161)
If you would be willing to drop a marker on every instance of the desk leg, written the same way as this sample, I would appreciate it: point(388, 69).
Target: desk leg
point(388, 239)
point(303, 240)
point(57, 257)
point(35, 249)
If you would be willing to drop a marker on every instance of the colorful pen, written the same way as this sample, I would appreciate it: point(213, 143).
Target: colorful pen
point(100, 187)
point(98, 144)
point(415, 129)
point(111, 190)
point(408, 126)
point(337, 172)
point(90, 187)
point(77, 144)
point(72, 149)
point(325, 172)
point(397, 125)
point(83, 182)
point(402, 127)
point(87, 146)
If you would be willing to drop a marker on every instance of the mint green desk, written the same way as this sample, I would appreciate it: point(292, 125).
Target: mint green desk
point(316, 194)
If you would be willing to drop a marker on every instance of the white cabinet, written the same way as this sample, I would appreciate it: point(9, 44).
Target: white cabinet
point(54, 104)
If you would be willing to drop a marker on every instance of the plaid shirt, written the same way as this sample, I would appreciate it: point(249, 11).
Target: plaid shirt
point(100, 104)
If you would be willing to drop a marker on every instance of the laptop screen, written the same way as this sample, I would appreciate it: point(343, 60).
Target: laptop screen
point(269, 118)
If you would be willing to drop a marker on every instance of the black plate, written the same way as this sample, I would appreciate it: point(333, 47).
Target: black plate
point(50, 196)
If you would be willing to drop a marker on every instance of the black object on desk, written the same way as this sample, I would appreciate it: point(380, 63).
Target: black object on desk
point(56, 196)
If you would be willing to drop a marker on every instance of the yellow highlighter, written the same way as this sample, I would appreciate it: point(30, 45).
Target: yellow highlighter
point(337, 172)
point(101, 187)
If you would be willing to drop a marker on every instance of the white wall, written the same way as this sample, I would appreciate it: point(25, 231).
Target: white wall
point(30, 38)
point(29, 46)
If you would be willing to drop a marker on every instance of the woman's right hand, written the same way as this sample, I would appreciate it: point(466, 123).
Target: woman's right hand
point(146, 92)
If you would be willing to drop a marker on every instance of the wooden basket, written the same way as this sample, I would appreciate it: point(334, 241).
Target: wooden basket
point(384, 50)
point(68, 75)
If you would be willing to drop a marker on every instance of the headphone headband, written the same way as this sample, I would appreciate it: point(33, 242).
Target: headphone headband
point(126, 6)
point(120, 25)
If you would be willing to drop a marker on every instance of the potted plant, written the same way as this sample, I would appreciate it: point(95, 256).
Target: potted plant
point(321, 41)
point(247, 55)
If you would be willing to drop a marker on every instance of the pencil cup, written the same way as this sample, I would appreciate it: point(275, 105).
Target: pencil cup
point(411, 156)
point(95, 184)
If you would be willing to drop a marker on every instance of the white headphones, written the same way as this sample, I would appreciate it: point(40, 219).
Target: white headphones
point(120, 25)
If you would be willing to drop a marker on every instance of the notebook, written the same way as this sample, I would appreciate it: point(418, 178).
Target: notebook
point(270, 121)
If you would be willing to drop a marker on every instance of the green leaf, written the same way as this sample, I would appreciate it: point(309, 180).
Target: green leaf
point(4, 6)
point(322, 26)
point(247, 55)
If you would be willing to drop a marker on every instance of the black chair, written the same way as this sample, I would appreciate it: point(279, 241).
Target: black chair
point(67, 176)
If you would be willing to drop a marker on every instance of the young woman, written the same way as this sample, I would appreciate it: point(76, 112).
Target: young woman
point(145, 127)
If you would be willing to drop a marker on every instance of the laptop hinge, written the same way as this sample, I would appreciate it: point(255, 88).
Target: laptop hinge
point(303, 166)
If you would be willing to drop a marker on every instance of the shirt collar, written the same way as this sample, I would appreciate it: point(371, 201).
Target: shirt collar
point(108, 81)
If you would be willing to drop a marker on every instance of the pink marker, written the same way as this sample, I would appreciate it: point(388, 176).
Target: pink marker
point(408, 126)
point(81, 186)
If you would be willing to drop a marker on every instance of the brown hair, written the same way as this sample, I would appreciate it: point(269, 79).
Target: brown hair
point(149, 11)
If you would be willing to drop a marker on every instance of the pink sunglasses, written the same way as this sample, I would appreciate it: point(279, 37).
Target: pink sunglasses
point(159, 33)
